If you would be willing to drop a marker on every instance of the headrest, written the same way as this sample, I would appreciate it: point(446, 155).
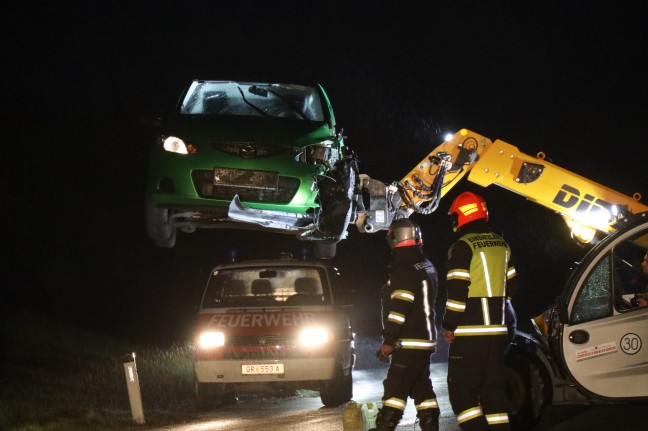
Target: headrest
point(234, 287)
point(261, 286)
point(307, 285)
point(214, 101)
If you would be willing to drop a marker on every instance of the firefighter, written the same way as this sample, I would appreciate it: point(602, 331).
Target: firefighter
point(480, 281)
point(409, 334)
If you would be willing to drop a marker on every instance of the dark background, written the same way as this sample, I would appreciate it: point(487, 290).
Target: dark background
point(563, 77)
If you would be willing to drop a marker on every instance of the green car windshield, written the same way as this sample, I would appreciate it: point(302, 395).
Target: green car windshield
point(252, 99)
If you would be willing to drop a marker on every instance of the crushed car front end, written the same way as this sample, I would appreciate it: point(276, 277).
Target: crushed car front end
point(230, 147)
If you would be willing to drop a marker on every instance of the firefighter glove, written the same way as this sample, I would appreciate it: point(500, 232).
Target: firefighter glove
point(383, 353)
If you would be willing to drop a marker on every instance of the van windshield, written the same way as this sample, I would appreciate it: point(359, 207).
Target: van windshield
point(266, 287)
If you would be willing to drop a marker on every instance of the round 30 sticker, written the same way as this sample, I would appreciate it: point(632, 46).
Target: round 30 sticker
point(630, 343)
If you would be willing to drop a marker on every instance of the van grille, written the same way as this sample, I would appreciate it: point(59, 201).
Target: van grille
point(262, 340)
point(263, 347)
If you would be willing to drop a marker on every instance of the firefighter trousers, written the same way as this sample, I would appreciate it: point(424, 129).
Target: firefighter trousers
point(476, 382)
point(409, 376)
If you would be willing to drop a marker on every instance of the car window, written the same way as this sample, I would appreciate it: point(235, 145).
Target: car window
point(266, 287)
point(594, 300)
point(629, 277)
point(253, 99)
point(615, 280)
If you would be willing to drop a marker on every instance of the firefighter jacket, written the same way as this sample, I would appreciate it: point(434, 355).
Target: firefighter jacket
point(481, 278)
point(408, 301)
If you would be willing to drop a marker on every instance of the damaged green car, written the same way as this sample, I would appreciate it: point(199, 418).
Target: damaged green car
point(251, 155)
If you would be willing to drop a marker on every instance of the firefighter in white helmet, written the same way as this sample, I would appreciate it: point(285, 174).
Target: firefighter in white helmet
point(480, 280)
point(409, 334)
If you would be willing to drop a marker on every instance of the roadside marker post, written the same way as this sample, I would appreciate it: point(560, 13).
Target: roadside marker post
point(132, 384)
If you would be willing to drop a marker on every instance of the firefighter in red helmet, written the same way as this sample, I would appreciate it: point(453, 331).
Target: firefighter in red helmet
point(467, 207)
point(409, 330)
point(480, 281)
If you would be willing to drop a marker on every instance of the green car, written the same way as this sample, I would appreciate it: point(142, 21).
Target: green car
point(253, 155)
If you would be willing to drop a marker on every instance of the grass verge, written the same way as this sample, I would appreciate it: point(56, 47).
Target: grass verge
point(57, 377)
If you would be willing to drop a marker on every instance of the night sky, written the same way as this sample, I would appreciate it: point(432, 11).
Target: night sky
point(563, 77)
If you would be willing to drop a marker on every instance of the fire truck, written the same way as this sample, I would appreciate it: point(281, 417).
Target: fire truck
point(274, 325)
point(590, 346)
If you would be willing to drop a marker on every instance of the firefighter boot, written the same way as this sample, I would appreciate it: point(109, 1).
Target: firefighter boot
point(387, 419)
point(429, 420)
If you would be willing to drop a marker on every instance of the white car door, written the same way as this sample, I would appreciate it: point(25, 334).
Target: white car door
point(605, 345)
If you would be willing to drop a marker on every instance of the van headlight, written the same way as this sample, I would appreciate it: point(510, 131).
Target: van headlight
point(310, 337)
point(210, 339)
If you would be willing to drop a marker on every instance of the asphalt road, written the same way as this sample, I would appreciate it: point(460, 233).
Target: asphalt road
point(306, 413)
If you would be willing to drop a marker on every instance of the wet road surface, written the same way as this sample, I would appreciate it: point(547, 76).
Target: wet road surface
point(306, 413)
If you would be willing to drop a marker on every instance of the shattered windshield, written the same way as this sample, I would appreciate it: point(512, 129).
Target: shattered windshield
point(253, 99)
point(254, 287)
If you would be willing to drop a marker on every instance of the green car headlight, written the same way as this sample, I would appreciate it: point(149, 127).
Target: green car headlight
point(176, 145)
point(314, 154)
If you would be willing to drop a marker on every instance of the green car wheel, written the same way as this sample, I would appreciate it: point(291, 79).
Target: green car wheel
point(160, 227)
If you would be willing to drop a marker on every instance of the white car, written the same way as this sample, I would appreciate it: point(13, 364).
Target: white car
point(274, 324)
point(590, 346)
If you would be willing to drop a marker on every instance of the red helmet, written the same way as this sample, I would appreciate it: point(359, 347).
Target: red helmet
point(466, 208)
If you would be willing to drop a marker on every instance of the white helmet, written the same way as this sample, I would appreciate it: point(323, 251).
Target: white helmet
point(404, 233)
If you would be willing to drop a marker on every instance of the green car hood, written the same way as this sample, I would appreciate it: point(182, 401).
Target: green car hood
point(199, 129)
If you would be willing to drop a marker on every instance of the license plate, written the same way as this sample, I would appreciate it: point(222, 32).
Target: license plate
point(251, 369)
point(264, 180)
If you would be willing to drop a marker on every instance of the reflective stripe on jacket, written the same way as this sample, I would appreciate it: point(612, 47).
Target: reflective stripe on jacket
point(477, 279)
point(408, 301)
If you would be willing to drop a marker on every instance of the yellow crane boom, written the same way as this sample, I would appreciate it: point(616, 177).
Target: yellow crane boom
point(585, 205)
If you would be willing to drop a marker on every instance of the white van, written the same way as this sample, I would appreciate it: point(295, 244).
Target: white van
point(274, 324)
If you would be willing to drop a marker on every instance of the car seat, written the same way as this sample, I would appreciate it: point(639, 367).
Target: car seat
point(214, 102)
point(262, 287)
point(308, 292)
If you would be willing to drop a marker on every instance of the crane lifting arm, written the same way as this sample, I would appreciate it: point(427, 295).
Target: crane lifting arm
point(586, 206)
